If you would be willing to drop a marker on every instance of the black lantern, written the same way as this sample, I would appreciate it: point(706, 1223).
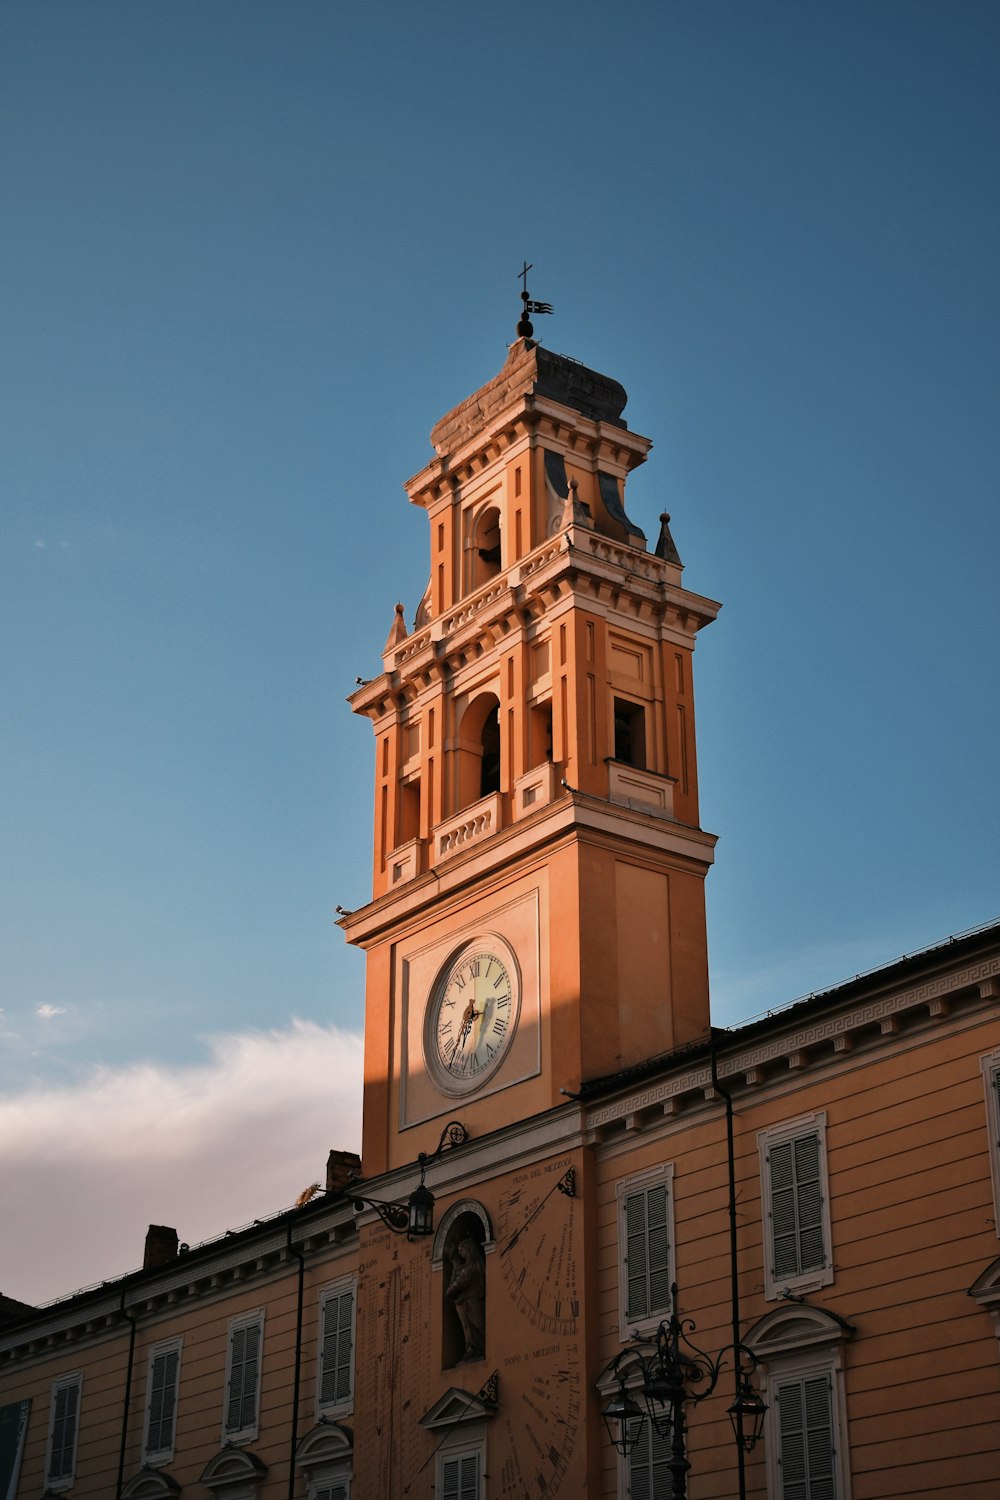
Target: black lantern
point(747, 1415)
point(623, 1419)
point(669, 1376)
point(415, 1217)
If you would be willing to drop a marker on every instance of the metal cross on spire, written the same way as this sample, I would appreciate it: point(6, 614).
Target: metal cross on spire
point(524, 328)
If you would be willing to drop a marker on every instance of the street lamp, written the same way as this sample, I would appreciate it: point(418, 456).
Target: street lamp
point(669, 1371)
point(415, 1217)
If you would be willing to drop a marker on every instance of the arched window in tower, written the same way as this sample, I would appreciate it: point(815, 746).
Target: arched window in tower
point(489, 773)
point(479, 750)
point(486, 547)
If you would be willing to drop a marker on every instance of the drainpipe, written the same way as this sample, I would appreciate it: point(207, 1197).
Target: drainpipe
point(298, 1361)
point(734, 1279)
point(128, 1396)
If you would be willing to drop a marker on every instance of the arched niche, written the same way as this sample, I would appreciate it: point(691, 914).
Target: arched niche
point(460, 1248)
point(463, 1206)
point(479, 750)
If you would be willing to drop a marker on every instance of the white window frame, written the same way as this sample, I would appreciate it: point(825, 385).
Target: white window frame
point(322, 1489)
point(56, 1482)
point(344, 1285)
point(157, 1456)
point(801, 1365)
point(455, 1453)
point(625, 1460)
point(661, 1174)
point(816, 1276)
point(248, 1433)
point(990, 1065)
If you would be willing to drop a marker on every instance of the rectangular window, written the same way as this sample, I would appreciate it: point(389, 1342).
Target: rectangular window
point(806, 1462)
point(337, 1491)
point(246, 1337)
point(630, 732)
point(336, 1346)
point(64, 1422)
point(796, 1206)
point(460, 1477)
point(161, 1400)
point(648, 1475)
point(644, 1239)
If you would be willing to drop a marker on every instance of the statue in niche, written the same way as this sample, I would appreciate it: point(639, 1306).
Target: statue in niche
point(466, 1290)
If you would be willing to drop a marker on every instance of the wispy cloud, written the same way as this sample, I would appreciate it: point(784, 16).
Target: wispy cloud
point(48, 1011)
point(86, 1167)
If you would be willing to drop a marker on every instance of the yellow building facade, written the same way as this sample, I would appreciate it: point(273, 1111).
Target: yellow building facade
point(544, 1087)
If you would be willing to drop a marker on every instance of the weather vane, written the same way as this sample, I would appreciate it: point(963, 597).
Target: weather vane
point(524, 328)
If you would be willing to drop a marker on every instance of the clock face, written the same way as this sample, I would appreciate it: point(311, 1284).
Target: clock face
point(472, 1016)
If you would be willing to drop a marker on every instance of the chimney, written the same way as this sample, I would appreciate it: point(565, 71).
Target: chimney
point(161, 1247)
point(340, 1167)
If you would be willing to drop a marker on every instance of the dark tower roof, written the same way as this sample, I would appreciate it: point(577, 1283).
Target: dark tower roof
point(532, 370)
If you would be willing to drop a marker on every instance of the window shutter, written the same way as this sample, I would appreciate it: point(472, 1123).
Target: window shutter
point(805, 1428)
point(460, 1478)
point(162, 1402)
point(330, 1492)
point(796, 1206)
point(242, 1408)
point(647, 1253)
point(335, 1378)
point(67, 1404)
point(648, 1475)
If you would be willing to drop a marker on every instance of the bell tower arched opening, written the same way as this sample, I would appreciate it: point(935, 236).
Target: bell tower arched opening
point(479, 750)
point(486, 547)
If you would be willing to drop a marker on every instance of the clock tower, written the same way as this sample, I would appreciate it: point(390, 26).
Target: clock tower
point(538, 911)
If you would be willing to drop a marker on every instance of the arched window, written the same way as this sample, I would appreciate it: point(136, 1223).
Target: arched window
point(479, 750)
point(486, 556)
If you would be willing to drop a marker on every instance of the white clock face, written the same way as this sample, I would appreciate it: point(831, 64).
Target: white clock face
point(472, 1016)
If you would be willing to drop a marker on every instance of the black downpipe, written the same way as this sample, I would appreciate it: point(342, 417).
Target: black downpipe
point(128, 1397)
point(734, 1278)
point(298, 1363)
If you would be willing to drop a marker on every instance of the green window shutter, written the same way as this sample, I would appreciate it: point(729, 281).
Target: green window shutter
point(336, 1354)
point(805, 1429)
point(63, 1452)
point(162, 1402)
point(241, 1411)
point(647, 1253)
point(648, 1475)
point(796, 1206)
point(460, 1477)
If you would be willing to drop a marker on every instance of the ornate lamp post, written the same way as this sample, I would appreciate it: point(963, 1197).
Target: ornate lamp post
point(667, 1372)
point(415, 1217)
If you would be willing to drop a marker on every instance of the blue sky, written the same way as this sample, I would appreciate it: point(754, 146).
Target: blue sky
point(252, 252)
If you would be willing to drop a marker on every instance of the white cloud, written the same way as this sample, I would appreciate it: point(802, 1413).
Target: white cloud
point(86, 1167)
point(50, 1010)
point(39, 542)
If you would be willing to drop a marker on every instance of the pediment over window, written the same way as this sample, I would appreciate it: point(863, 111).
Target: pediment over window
point(327, 1442)
point(457, 1406)
point(986, 1287)
point(794, 1326)
point(234, 1474)
point(150, 1484)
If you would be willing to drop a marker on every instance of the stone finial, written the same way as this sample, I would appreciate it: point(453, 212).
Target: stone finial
point(665, 543)
point(398, 632)
point(576, 512)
